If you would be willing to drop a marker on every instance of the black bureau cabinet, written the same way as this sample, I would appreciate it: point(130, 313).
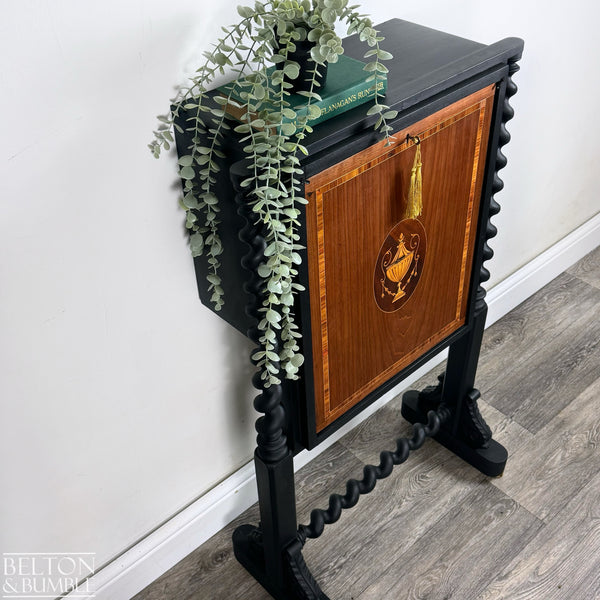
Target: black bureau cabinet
point(383, 293)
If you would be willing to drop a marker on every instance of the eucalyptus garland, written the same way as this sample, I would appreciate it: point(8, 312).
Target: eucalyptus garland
point(272, 133)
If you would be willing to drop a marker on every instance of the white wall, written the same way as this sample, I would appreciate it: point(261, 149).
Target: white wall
point(123, 399)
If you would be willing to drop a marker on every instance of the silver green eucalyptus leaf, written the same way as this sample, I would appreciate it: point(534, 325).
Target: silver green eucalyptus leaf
point(196, 244)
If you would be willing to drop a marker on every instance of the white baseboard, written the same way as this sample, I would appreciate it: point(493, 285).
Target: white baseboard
point(139, 566)
point(515, 289)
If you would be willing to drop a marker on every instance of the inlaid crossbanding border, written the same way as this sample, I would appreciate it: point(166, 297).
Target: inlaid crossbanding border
point(317, 188)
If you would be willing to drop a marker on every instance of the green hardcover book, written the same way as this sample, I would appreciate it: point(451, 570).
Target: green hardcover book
point(346, 87)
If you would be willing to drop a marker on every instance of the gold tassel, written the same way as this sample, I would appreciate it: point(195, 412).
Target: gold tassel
point(414, 206)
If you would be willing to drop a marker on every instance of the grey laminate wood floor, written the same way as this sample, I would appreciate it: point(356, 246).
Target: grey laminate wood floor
point(436, 529)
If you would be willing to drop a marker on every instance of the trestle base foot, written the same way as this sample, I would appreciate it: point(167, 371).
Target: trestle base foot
point(299, 584)
point(490, 460)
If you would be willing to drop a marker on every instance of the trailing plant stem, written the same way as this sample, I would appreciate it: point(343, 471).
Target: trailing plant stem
point(274, 134)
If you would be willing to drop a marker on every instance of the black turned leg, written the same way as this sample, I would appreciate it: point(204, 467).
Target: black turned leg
point(260, 549)
point(271, 552)
point(466, 433)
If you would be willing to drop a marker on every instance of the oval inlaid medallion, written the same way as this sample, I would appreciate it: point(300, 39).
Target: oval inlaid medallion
point(399, 264)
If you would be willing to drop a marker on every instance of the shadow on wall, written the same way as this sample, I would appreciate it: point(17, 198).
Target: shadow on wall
point(239, 393)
